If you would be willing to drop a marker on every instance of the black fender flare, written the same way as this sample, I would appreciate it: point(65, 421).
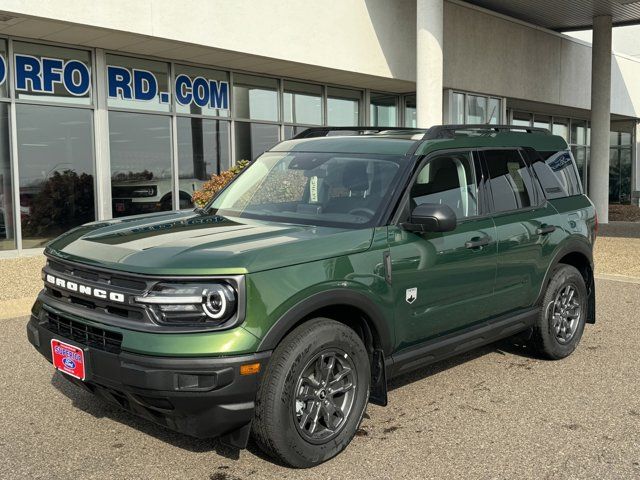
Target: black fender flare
point(330, 298)
point(572, 245)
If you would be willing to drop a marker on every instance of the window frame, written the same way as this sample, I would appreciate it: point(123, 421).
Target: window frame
point(421, 162)
point(537, 202)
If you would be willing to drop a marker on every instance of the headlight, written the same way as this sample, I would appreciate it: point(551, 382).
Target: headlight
point(192, 303)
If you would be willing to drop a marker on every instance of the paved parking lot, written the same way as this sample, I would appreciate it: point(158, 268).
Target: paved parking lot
point(494, 413)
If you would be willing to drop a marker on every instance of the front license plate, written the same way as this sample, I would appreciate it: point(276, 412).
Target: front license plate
point(68, 359)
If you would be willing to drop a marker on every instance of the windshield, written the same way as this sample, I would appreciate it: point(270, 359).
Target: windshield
point(329, 189)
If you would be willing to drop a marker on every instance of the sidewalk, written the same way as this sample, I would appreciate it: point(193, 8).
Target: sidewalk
point(617, 257)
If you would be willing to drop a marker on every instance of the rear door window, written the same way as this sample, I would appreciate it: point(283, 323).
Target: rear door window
point(510, 180)
point(557, 173)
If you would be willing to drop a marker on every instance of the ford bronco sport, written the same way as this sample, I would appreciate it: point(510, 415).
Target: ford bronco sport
point(332, 263)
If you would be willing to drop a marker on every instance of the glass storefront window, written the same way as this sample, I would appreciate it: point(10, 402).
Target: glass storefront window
point(201, 91)
point(343, 107)
point(580, 155)
point(52, 74)
point(457, 108)
point(255, 98)
point(522, 119)
point(138, 84)
point(291, 131)
point(140, 146)
point(55, 148)
point(4, 69)
point(561, 127)
point(476, 109)
point(302, 103)
point(203, 149)
point(578, 132)
point(383, 110)
point(253, 139)
point(7, 225)
point(495, 111)
point(410, 117)
point(542, 121)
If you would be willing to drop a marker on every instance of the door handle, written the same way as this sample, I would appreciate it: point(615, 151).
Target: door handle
point(478, 242)
point(546, 230)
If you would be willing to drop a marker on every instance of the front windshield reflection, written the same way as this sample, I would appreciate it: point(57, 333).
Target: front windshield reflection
point(330, 189)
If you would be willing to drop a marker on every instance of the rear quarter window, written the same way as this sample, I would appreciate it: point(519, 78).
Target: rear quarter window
point(556, 172)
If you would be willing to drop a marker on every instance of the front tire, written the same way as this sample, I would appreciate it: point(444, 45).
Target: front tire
point(313, 395)
point(559, 327)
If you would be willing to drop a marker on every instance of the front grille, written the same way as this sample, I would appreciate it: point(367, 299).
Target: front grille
point(87, 335)
point(99, 279)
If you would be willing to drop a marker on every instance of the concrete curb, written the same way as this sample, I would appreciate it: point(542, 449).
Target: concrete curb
point(617, 278)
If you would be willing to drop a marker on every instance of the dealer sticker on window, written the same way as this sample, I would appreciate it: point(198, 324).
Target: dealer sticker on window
point(68, 359)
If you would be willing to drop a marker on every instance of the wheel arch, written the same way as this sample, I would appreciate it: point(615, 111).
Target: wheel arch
point(351, 308)
point(579, 254)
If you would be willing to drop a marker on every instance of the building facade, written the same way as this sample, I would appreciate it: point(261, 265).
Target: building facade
point(119, 108)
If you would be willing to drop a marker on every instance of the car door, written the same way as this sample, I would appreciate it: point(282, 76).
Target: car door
point(525, 227)
point(442, 282)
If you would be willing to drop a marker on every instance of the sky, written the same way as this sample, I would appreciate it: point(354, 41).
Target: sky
point(625, 39)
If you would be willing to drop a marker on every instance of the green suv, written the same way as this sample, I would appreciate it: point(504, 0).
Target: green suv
point(335, 261)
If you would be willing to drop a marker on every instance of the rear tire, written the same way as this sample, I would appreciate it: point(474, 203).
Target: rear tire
point(319, 373)
point(560, 325)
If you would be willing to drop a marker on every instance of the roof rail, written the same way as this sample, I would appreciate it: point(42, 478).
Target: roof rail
point(325, 131)
point(449, 131)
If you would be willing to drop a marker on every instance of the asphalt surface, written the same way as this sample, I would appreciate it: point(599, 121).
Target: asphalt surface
point(495, 413)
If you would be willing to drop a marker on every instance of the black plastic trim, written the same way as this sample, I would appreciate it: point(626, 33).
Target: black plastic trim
point(329, 298)
point(203, 397)
point(573, 245)
point(459, 342)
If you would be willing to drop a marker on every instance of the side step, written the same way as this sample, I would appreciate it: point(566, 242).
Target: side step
point(460, 342)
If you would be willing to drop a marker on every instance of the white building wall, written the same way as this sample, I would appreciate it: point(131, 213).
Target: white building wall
point(493, 54)
point(373, 37)
point(483, 52)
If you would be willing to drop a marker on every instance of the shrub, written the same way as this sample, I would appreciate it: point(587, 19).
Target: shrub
point(211, 187)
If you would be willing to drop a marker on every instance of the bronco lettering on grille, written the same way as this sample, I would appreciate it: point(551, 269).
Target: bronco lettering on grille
point(85, 289)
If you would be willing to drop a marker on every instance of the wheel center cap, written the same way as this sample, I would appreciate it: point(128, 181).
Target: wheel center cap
point(322, 394)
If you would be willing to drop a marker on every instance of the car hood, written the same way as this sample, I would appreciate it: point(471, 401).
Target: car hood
point(188, 243)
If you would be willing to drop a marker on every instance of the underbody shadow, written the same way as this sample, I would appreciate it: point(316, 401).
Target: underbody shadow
point(101, 408)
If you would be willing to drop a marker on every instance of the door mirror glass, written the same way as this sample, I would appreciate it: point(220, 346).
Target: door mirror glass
point(431, 217)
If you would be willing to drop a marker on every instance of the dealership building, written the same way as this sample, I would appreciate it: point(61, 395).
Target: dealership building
point(112, 107)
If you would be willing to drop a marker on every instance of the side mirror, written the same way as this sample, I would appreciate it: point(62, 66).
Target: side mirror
point(431, 217)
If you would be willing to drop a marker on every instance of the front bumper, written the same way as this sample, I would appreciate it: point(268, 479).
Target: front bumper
point(201, 397)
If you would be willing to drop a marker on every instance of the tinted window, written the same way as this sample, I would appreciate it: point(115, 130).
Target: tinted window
point(510, 180)
point(447, 180)
point(557, 173)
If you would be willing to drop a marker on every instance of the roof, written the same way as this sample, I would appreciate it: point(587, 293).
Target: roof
point(565, 15)
point(437, 138)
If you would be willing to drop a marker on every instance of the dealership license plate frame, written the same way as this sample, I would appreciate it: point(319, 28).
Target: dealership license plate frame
point(75, 354)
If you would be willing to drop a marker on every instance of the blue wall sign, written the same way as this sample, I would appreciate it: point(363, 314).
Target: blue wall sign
point(3, 70)
point(204, 93)
point(41, 75)
point(142, 85)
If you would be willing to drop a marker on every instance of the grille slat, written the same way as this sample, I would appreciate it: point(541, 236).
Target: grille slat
point(84, 334)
